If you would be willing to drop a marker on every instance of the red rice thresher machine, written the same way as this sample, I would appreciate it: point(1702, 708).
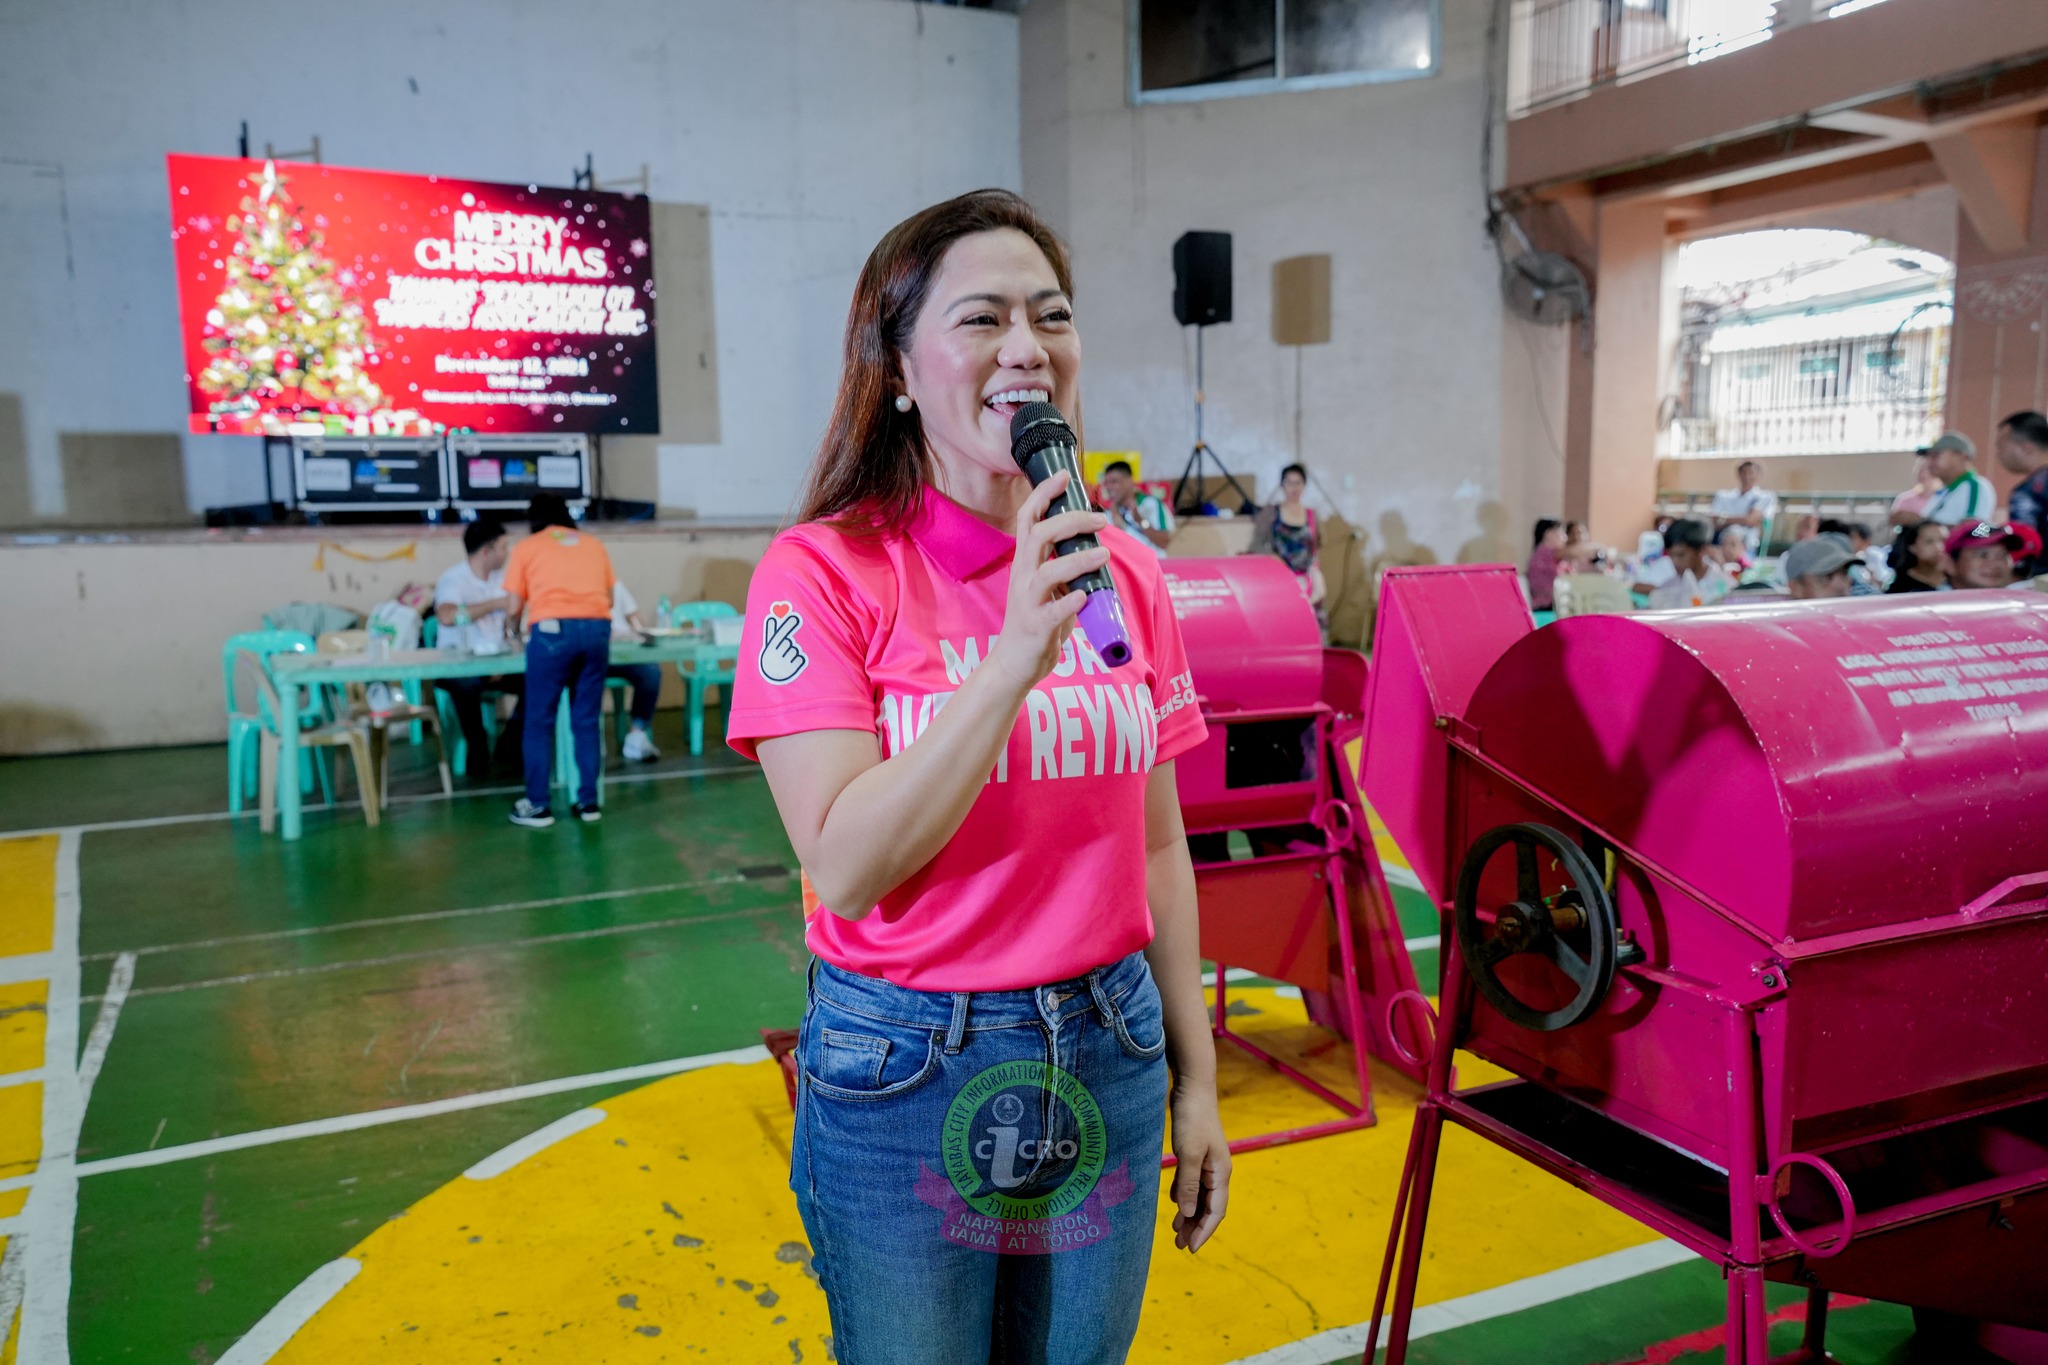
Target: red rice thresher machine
point(1289, 884)
point(1753, 903)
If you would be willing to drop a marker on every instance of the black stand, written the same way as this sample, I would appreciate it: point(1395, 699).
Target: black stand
point(1199, 457)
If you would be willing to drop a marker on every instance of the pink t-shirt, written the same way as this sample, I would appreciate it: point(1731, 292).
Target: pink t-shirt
point(1045, 879)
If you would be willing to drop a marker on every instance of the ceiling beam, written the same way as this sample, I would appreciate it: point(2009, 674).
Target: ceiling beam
point(1992, 169)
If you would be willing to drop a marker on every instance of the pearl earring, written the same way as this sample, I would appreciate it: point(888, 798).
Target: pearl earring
point(903, 402)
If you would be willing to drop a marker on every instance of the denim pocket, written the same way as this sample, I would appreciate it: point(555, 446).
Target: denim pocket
point(1139, 1020)
point(855, 1057)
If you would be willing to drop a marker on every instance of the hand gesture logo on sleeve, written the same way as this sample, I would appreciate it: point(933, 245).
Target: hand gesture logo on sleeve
point(782, 658)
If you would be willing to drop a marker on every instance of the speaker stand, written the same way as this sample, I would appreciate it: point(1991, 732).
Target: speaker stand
point(1201, 455)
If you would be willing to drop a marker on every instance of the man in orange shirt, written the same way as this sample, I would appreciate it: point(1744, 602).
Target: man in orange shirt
point(560, 579)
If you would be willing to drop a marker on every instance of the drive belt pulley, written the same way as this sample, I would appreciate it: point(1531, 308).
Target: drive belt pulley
point(1573, 927)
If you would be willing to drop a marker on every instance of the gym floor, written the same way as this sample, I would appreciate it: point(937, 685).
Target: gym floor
point(455, 1091)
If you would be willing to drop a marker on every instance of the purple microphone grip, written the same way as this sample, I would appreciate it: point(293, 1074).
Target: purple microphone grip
point(1102, 621)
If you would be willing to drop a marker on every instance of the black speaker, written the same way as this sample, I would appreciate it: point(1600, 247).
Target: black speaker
point(1201, 278)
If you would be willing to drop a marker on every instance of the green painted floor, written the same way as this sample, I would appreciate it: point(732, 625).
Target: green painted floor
point(450, 953)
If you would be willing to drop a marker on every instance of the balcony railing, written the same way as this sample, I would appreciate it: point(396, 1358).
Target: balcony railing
point(1852, 395)
point(1565, 48)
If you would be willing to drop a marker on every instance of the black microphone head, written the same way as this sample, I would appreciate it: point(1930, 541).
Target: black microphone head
point(1036, 426)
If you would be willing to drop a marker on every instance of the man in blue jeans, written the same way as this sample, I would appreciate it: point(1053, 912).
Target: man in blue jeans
point(561, 578)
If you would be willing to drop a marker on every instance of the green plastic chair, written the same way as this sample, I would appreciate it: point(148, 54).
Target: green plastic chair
point(249, 718)
point(713, 665)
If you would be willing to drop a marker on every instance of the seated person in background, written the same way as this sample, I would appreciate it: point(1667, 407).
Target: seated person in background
point(1543, 566)
point(1873, 559)
point(1131, 507)
point(1819, 567)
point(1731, 548)
point(1580, 554)
point(1919, 558)
point(1806, 528)
point(1981, 553)
point(1965, 494)
point(1745, 505)
point(644, 679)
point(470, 602)
point(2023, 450)
point(1697, 579)
point(1910, 506)
point(1287, 530)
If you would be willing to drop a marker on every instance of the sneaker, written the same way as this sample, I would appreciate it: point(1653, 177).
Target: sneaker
point(524, 812)
point(639, 746)
point(589, 815)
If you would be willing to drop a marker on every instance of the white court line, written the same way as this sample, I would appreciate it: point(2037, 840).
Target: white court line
point(374, 1118)
point(535, 1142)
point(24, 966)
point(460, 794)
point(1338, 1343)
point(51, 1215)
point(292, 1312)
point(429, 916)
point(457, 949)
point(1401, 877)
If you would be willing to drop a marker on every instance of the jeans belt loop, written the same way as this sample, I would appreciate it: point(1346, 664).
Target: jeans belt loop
point(956, 1032)
point(1102, 1005)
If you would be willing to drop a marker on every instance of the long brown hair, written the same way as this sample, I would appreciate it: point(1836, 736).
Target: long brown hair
point(873, 464)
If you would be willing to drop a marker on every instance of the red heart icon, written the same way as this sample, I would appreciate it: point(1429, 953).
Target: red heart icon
point(779, 610)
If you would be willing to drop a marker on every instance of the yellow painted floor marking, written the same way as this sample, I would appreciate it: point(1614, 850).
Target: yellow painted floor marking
point(22, 1016)
point(674, 1214)
point(21, 1128)
point(28, 894)
point(11, 1203)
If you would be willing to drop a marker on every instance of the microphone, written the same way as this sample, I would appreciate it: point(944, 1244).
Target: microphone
point(1042, 444)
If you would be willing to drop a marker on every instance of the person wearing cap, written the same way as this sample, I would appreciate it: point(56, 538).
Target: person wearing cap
point(1819, 568)
point(1965, 494)
point(1982, 554)
point(2023, 450)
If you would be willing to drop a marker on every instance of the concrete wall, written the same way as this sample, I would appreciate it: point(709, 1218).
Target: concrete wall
point(807, 126)
point(1401, 413)
point(116, 643)
point(1998, 363)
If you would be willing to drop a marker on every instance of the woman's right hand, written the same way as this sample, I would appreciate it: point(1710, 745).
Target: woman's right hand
point(1041, 611)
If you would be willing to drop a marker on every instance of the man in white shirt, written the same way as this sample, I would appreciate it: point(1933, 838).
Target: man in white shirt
point(644, 679)
point(1697, 578)
point(1745, 505)
point(470, 603)
point(1965, 494)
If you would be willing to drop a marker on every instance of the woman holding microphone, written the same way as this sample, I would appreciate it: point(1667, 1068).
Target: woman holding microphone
point(1006, 1002)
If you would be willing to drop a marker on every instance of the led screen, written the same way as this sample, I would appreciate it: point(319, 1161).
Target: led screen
point(365, 303)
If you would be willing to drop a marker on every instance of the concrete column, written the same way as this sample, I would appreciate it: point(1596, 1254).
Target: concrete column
point(1611, 456)
point(1998, 356)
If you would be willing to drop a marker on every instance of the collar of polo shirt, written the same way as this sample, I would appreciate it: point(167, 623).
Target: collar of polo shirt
point(959, 542)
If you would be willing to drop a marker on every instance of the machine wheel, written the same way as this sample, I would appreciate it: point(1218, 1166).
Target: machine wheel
point(1575, 929)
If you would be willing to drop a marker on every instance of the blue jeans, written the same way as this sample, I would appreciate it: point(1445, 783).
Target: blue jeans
point(571, 658)
point(645, 680)
point(979, 1172)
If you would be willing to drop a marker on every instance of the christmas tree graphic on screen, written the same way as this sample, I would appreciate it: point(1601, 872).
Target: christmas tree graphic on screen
point(286, 337)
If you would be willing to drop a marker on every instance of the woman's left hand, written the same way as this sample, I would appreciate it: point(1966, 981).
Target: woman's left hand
point(1201, 1179)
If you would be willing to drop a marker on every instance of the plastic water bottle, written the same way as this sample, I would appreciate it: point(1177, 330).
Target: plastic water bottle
point(661, 611)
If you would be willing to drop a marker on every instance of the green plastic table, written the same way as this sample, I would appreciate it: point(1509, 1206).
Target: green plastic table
point(298, 675)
